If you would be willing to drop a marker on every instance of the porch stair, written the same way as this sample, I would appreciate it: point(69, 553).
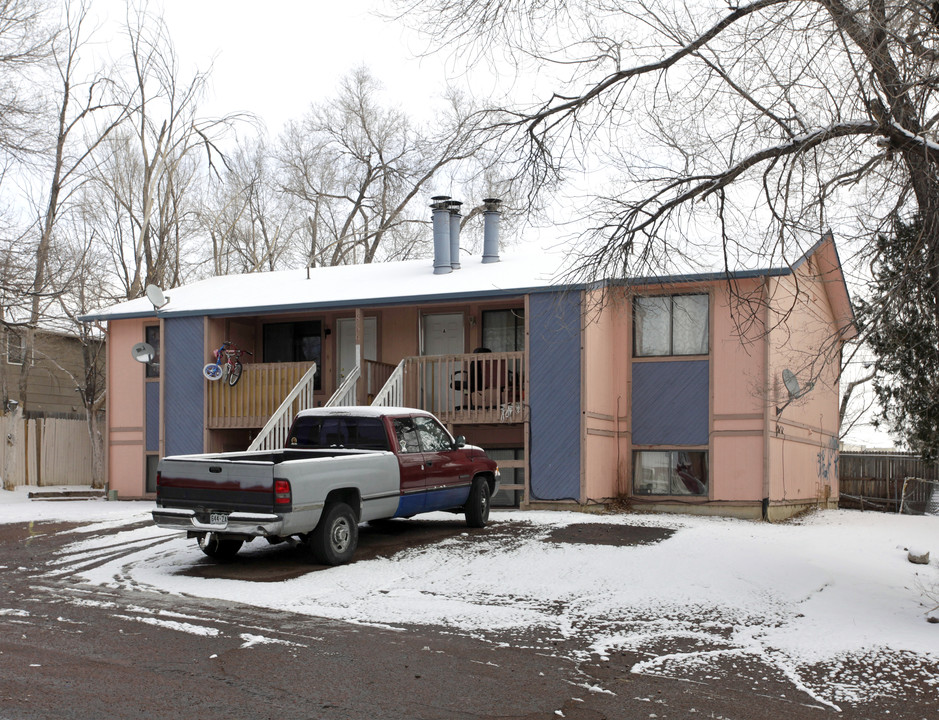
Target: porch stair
point(345, 393)
point(392, 392)
point(436, 383)
point(274, 434)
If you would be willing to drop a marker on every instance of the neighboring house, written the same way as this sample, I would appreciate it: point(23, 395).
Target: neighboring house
point(55, 363)
point(47, 431)
point(667, 392)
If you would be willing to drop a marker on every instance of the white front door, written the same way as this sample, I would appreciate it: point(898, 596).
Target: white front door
point(345, 331)
point(442, 335)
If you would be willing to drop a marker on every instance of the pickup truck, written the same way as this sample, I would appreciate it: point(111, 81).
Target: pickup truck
point(340, 467)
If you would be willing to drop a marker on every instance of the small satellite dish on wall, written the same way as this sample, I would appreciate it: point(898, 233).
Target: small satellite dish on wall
point(793, 388)
point(792, 383)
point(143, 352)
point(156, 296)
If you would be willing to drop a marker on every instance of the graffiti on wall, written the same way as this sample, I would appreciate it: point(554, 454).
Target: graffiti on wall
point(828, 460)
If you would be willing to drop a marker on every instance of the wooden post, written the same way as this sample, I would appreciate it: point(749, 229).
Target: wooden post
point(38, 451)
point(361, 385)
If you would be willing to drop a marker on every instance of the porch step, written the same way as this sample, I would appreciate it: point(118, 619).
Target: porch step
point(61, 493)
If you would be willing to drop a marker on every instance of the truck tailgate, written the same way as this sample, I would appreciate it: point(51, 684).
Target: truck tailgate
point(214, 484)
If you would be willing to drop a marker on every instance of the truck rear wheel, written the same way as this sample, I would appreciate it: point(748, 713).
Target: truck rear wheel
point(335, 538)
point(477, 507)
point(219, 548)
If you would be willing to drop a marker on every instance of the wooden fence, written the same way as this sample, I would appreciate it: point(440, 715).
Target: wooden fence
point(45, 451)
point(874, 481)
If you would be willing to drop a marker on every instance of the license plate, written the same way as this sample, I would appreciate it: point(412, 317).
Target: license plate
point(218, 519)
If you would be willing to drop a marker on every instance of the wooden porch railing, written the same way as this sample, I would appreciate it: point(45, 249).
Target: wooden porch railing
point(468, 388)
point(274, 433)
point(250, 404)
point(391, 394)
point(376, 375)
point(345, 393)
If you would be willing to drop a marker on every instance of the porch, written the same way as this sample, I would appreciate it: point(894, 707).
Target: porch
point(461, 389)
point(478, 394)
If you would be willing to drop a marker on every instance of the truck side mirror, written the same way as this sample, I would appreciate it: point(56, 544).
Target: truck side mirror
point(459, 442)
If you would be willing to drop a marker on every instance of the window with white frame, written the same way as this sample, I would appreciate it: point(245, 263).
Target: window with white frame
point(16, 348)
point(670, 472)
point(670, 325)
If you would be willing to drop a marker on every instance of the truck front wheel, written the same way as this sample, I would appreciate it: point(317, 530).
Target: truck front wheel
point(335, 538)
point(477, 507)
point(219, 548)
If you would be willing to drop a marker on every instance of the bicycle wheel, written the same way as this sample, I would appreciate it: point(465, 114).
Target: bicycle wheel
point(234, 373)
point(212, 371)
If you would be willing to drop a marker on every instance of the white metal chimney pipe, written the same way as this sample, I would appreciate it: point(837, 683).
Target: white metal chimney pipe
point(491, 215)
point(455, 218)
point(440, 215)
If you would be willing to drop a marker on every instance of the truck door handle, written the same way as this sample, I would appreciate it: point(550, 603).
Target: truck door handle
point(214, 469)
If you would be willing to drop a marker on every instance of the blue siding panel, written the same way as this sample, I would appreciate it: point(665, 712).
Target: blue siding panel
point(670, 403)
point(555, 380)
point(184, 387)
point(153, 416)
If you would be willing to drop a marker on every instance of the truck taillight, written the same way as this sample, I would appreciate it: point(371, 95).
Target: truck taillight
point(281, 492)
point(159, 478)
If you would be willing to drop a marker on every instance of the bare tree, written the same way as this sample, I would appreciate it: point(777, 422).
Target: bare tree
point(26, 37)
point(86, 114)
point(147, 181)
point(248, 218)
point(756, 121)
point(83, 113)
point(88, 288)
point(356, 168)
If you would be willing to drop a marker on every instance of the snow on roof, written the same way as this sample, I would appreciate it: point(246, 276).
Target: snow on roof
point(411, 281)
point(347, 285)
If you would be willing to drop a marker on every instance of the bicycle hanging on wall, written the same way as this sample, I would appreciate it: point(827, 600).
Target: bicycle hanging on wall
point(227, 363)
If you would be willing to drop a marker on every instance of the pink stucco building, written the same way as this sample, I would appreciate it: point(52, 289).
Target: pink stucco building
point(707, 393)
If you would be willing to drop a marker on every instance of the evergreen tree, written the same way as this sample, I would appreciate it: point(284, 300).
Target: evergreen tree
point(901, 321)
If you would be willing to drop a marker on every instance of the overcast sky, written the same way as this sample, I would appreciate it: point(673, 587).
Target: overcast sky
point(276, 62)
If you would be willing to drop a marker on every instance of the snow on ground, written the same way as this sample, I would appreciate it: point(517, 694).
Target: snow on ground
point(15, 506)
point(826, 589)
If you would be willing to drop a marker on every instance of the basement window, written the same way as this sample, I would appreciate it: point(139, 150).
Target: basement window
point(670, 472)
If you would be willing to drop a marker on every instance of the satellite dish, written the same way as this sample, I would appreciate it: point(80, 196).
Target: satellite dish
point(143, 352)
point(793, 388)
point(156, 296)
point(792, 384)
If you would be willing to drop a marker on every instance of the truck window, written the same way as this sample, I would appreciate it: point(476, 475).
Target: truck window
point(331, 431)
point(432, 435)
point(406, 435)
